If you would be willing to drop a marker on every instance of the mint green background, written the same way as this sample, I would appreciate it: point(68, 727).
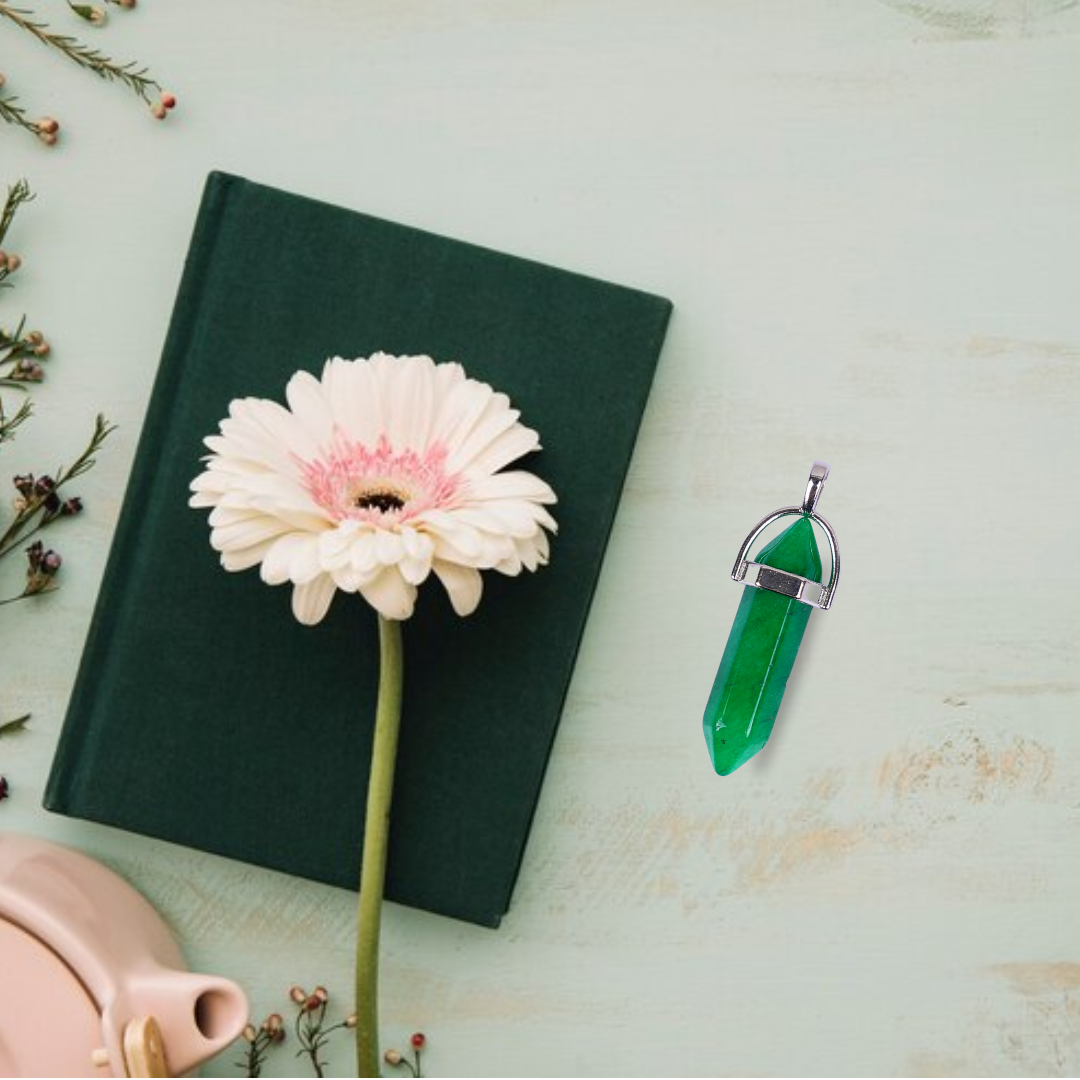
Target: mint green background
point(867, 215)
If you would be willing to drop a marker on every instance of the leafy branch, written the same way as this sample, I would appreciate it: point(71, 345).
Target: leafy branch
point(13, 113)
point(9, 422)
point(18, 194)
point(134, 76)
point(40, 503)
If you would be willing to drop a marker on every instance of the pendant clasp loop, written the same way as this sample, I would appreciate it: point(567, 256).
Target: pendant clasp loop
point(818, 475)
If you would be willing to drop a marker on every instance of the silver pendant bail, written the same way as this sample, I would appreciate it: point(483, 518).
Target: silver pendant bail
point(818, 475)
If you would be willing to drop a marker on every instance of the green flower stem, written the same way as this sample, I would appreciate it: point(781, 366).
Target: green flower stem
point(376, 832)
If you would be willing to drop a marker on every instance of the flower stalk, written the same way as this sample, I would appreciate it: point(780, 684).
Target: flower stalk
point(376, 834)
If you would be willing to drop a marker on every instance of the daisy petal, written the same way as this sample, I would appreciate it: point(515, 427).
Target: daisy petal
point(463, 585)
point(308, 404)
point(507, 447)
point(311, 601)
point(411, 403)
point(390, 594)
point(511, 485)
point(277, 564)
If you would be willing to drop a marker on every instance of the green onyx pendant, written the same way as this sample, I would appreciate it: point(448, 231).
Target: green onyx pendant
point(786, 582)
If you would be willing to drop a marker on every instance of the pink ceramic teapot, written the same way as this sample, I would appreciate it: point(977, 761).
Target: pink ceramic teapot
point(91, 981)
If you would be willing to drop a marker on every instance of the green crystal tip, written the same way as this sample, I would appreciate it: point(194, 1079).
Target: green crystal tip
point(760, 654)
point(794, 550)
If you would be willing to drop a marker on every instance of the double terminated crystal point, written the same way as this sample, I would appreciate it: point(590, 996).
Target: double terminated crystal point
point(768, 629)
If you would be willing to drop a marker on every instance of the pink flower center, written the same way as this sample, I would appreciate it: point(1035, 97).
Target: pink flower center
point(380, 485)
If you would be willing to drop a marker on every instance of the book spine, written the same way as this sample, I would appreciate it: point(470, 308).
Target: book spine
point(63, 791)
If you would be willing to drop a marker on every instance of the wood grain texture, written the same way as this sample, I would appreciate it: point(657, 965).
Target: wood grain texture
point(867, 214)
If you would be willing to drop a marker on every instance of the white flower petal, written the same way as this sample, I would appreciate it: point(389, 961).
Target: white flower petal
point(515, 518)
point(511, 485)
point(533, 551)
point(311, 601)
point(494, 422)
point(505, 448)
point(390, 594)
point(355, 398)
point(281, 427)
point(245, 532)
point(463, 585)
point(335, 544)
point(510, 564)
point(415, 571)
point(309, 406)
point(363, 556)
point(448, 529)
point(411, 405)
point(277, 563)
point(294, 557)
point(245, 558)
point(388, 547)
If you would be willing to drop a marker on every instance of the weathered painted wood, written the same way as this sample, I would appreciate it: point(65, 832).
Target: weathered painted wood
point(868, 216)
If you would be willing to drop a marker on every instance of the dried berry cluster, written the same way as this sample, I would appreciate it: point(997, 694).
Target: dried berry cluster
point(40, 500)
point(312, 1032)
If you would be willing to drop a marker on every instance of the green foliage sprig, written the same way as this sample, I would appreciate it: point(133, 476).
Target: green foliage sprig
point(41, 500)
point(134, 76)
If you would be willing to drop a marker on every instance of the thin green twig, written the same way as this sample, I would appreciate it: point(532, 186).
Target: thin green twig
point(14, 534)
point(137, 79)
point(8, 423)
point(18, 194)
point(13, 113)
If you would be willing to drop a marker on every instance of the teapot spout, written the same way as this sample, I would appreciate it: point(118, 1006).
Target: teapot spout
point(198, 1015)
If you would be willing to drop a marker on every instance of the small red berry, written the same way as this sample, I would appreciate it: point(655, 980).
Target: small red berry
point(168, 100)
point(418, 1040)
point(159, 111)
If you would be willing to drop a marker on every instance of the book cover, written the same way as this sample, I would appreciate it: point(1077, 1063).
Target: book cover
point(203, 713)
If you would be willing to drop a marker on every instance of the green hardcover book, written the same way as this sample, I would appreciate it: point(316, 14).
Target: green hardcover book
point(203, 713)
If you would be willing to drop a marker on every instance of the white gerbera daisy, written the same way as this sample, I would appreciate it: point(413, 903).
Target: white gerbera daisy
point(381, 472)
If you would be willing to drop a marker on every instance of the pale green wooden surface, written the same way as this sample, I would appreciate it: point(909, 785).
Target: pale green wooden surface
point(868, 216)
